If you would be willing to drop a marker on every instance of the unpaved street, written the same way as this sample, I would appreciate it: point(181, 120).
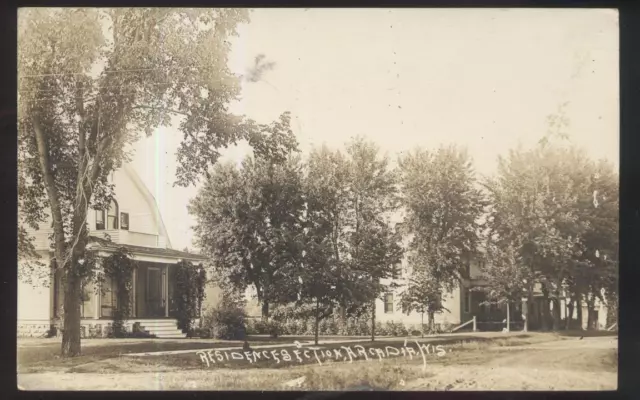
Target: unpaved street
point(588, 364)
point(569, 364)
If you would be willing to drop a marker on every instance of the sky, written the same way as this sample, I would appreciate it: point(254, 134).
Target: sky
point(487, 79)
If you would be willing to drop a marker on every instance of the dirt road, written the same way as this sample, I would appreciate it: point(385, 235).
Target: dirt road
point(588, 364)
point(570, 364)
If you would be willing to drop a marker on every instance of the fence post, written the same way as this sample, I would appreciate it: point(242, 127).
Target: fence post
point(474, 323)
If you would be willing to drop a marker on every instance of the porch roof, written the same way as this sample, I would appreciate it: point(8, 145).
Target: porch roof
point(101, 244)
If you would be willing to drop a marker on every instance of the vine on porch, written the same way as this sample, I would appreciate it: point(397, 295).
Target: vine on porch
point(119, 266)
point(189, 293)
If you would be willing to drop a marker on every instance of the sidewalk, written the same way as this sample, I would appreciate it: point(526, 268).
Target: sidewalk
point(310, 342)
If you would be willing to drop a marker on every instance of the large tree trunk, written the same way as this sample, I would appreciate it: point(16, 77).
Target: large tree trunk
point(569, 315)
point(556, 314)
point(265, 310)
point(546, 315)
point(373, 320)
point(612, 310)
point(71, 323)
point(431, 315)
point(508, 317)
point(591, 322)
point(317, 327)
point(422, 323)
point(579, 311)
point(528, 309)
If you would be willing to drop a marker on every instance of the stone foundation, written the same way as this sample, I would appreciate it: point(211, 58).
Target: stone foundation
point(34, 329)
point(90, 329)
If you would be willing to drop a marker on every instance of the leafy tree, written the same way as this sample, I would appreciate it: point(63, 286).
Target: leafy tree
point(542, 203)
point(90, 80)
point(249, 220)
point(505, 278)
point(374, 244)
point(442, 209)
point(422, 294)
point(350, 244)
point(327, 284)
point(527, 209)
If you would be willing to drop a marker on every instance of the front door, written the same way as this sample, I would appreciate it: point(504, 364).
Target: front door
point(155, 292)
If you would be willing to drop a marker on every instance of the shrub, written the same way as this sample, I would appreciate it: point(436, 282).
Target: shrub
point(226, 321)
point(395, 329)
point(363, 328)
point(332, 326)
point(446, 327)
point(381, 330)
point(274, 328)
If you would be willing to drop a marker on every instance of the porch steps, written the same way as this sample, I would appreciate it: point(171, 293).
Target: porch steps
point(163, 328)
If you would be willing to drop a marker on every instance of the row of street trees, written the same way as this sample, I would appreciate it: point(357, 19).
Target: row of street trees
point(327, 232)
point(318, 235)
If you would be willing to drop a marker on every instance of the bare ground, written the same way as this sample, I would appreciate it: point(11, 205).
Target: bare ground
point(554, 364)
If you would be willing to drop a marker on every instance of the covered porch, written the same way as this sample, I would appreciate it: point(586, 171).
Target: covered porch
point(153, 283)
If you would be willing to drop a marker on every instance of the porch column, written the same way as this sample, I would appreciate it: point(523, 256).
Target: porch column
point(97, 296)
point(165, 289)
point(133, 293)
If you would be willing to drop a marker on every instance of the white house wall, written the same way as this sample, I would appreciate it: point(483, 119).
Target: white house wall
point(35, 311)
point(34, 305)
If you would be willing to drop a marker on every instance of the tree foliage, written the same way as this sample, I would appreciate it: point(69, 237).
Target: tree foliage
point(250, 222)
point(443, 206)
point(119, 268)
point(90, 82)
point(557, 210)
point(189, 293)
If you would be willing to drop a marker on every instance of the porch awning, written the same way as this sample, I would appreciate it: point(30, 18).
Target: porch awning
point(171, 255)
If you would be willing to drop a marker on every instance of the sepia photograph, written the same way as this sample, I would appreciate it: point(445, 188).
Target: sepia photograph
point(317, 199)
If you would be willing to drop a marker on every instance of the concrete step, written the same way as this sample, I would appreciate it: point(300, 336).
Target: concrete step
point(167, 332)
point(164, 328)
point(172, 337)
point(161, 328)
point(159, 323)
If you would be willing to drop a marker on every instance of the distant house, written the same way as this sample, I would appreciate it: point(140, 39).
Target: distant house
point(466, 302)
point(462, 303)
point(133, 221)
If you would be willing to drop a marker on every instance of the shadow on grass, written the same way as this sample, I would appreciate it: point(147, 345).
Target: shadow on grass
point(47, 356)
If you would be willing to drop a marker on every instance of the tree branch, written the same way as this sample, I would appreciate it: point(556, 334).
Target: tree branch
point(52, 192)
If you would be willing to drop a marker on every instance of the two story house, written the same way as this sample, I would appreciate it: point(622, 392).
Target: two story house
point(466, 301)
point(133, 221)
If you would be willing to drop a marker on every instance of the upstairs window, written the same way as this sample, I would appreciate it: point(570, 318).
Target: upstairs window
point(388, 303)
point(107, 219)
point(99, 220)
point(112, 215)
point(395, 271)
point(124, 221)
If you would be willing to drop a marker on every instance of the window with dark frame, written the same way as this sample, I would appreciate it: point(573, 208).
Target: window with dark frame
point(124, 221)
point(112, 215)
point(467, 300)
point(388, 303)
point(99, 220)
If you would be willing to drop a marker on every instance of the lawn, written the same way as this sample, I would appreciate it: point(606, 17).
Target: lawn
point(543, 361)
point(110, 355)
point(35, 355)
